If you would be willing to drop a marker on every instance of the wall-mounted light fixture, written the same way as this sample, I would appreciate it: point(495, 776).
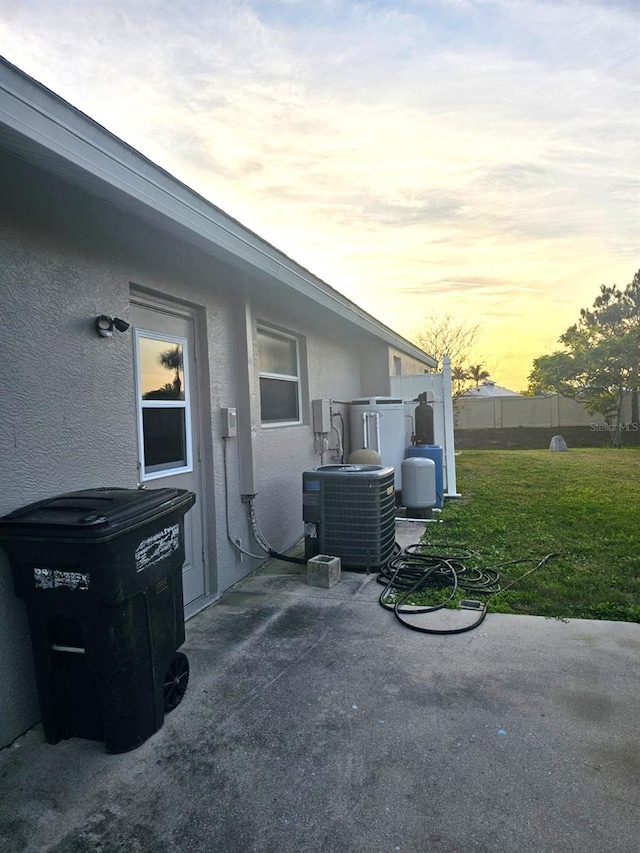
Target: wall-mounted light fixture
point(105, 325)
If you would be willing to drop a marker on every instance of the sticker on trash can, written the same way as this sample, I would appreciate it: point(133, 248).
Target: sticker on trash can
point(150, 551)
point(55, 579)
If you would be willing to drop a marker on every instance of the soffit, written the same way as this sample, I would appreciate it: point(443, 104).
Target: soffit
point(43, 129)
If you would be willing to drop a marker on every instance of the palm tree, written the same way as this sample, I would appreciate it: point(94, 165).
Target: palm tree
point(478, 373)
point(171, 359)
point(459, 375)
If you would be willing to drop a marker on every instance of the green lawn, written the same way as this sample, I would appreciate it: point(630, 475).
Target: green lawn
point(582, 505)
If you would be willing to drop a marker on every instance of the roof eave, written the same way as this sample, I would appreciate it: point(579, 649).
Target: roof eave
point(46, 129)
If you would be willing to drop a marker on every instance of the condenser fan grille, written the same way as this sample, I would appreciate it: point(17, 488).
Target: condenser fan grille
point(355, 513)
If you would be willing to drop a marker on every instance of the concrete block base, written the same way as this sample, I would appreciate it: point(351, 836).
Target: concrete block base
point(323, 571)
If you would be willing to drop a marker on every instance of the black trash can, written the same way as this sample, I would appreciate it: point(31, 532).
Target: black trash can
point(100, 572)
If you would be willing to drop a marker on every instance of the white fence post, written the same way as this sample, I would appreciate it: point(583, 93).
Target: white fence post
point(449, 440)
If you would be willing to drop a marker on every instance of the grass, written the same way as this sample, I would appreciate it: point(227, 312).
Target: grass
point(583, 506)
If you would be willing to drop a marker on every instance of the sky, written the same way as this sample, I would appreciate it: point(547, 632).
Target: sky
point(471, 158)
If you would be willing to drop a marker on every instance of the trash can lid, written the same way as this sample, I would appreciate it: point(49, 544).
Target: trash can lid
point(92, 510)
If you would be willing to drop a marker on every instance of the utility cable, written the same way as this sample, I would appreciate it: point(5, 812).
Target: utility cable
point(226, 509)
point(262, 542)
point(339, 433)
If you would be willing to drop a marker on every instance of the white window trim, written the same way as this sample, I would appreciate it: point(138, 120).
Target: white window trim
point(163, 404)
point(270, 330)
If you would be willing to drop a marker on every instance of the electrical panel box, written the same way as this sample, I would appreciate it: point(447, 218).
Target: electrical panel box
point(229, 423)
point(321, 415)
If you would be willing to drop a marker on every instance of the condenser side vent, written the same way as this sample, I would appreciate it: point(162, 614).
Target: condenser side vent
point(353, 508)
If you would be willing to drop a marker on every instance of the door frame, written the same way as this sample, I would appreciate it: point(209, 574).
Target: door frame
point(143, 297)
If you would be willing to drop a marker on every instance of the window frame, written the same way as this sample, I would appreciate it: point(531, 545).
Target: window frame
point(142, 404)
point(284, 377)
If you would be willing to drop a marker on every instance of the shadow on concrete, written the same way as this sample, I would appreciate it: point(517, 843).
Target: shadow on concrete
point(315, 722)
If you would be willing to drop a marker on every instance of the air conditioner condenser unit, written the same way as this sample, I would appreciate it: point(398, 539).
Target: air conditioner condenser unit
point(353, 509)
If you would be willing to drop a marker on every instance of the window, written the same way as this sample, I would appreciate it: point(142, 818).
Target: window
point(163, 404)
point(397, 365)
point(279, 368)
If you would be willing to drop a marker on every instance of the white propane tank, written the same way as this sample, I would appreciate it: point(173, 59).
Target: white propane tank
point(419, 483)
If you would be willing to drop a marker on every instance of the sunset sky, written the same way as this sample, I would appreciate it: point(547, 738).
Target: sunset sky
point(478, 158)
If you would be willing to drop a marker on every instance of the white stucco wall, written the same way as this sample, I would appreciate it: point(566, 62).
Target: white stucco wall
point(409, 366)
point(67, 408)
point(284, 452)
point(67, 411)
point(374, 368)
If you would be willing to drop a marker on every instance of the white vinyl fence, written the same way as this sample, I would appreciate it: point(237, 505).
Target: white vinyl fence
point(407, 389)
point(543, 411)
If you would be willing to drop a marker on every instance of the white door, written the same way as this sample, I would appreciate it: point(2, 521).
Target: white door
point(167, 416)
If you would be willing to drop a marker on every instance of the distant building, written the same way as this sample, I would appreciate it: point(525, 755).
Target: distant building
point(490, 389)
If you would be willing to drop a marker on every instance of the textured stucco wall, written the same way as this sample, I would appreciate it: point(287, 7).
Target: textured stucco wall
point(67, 411)
point(67, 408)
point(284, 452)
point(374, 370)
point(409, 366)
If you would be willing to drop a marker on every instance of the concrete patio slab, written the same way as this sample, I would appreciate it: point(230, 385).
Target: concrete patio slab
point(315, 722)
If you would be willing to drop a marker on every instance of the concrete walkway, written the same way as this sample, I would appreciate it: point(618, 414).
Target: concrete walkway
point(315, 722)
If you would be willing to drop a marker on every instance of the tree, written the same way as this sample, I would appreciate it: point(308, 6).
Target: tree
point(459, 380)
point(167, 392)
point(440, 336)
point(478, 374)
point(171, 359)
point(601, 356)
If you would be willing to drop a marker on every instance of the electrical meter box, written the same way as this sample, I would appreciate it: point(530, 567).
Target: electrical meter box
point(229, 420)
point(321, 415)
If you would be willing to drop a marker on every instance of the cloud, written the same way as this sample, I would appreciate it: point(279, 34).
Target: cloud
point(458, 149)
point(462, 286)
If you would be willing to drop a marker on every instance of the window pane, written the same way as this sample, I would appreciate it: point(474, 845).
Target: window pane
point(165, 443)
point(278, 400)
point(161, 370)
point(276, 354)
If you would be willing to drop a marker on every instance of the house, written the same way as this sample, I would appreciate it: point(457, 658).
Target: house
point(225, 344)
point(489, 390)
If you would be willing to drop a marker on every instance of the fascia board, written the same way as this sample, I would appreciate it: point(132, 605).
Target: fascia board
point(101, 162)
point(132, 179)
point(351, 312)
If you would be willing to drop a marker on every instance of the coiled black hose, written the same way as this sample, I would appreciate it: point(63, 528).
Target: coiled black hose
point(421, 566)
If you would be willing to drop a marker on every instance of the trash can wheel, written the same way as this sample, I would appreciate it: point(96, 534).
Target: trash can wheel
point(175, 681)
